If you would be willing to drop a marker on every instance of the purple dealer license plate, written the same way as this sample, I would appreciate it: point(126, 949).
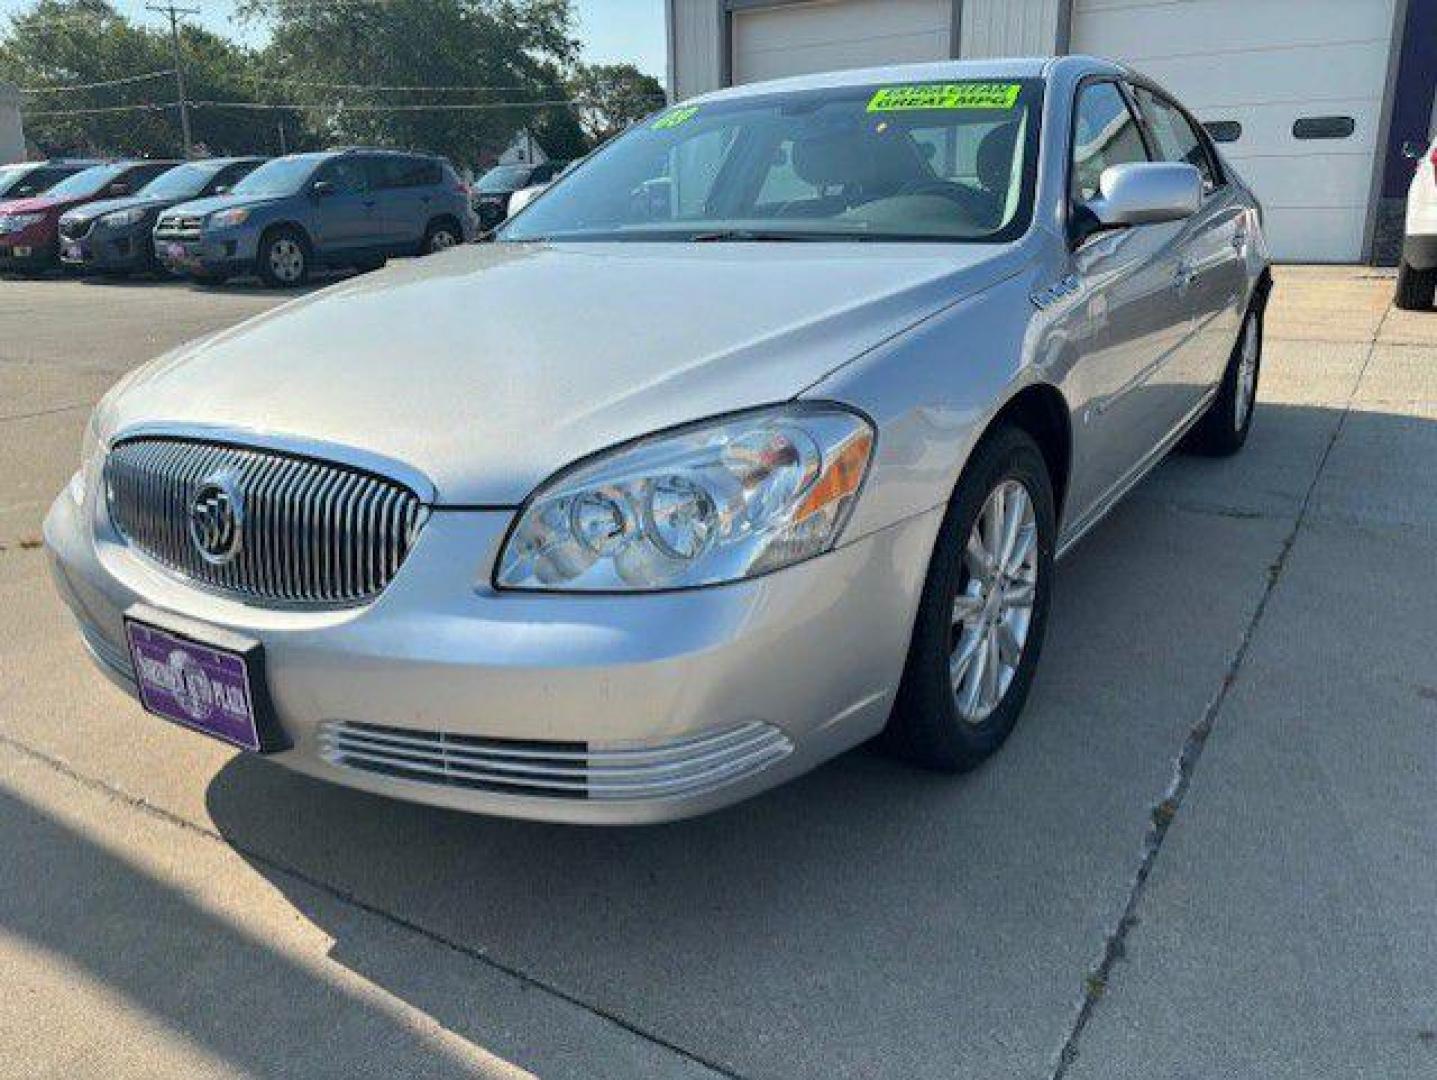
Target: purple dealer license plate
point(196, 685)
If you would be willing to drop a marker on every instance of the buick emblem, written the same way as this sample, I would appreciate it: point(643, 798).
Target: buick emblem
point(217, 520)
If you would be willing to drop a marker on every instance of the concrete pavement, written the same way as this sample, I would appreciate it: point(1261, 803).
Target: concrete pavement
point(1208, 850)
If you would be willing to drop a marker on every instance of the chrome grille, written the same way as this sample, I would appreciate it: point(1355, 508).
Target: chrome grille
point(313, 532)
point(555, 770)
point(182, 227)
point(72, 229)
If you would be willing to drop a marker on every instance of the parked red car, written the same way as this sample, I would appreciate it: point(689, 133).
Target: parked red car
point(29, 233)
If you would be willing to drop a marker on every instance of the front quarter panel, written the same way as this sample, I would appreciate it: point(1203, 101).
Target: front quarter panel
point(933, 391)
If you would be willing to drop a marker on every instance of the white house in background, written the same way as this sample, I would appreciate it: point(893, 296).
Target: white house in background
point(1311, 99)
point(12, 133)
point(523, 149)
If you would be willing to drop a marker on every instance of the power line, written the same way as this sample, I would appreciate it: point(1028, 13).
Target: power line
point(174, 13)
point(126, 81)
point(150, 106)
point(476, 106)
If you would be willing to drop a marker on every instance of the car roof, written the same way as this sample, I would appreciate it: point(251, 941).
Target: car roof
point(1024, 67)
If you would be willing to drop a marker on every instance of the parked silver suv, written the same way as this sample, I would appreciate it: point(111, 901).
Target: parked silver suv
point(757, 437)
point(335, 208)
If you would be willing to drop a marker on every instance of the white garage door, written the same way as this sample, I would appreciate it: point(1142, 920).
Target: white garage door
point(832, 35)
point(1295, 84)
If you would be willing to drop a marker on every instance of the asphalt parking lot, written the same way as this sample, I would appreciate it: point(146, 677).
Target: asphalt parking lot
point(1210, 849)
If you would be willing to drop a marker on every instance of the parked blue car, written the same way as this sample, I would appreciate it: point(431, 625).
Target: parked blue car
point(352, 207)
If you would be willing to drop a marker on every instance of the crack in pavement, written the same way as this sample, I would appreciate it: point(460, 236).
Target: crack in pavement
point(46, 412)
point(159, 813)
point(1166, 810)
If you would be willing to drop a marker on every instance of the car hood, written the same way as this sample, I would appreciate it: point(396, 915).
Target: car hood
point(490, 367)
point(211, 203)
point(92, 210)
point(34, 205)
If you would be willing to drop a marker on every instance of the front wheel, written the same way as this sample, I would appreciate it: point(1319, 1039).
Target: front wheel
point(984, 611)
point(1224, 428)
point(283, 259)
point(440, 236)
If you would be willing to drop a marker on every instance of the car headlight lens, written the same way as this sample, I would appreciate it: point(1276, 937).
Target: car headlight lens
point(89, 457)
point(16, 222)
point(228, 219)
point(701, 506)
point(122, 218)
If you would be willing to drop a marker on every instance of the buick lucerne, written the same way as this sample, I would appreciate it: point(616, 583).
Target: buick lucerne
point(756, 438)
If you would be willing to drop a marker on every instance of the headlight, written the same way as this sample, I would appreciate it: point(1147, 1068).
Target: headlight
point(89, 457)
point(228, 219)
point(122, 218)
point(709, 504)
point(16, 222)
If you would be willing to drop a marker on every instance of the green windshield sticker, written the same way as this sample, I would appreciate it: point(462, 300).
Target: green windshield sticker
point(676, 117)
point(945, 96)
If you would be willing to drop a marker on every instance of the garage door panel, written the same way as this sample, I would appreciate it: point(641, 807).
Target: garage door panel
point(1347, 72)
point(1308, 235)
point(1295, 182)
point(835, 35)
point(1267, 129)
point(1137, 30)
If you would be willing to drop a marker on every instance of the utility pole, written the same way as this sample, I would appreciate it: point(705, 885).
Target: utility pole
point(174, 13)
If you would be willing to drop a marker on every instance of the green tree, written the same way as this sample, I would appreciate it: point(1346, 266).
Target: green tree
point(60, 43)
point(509, 56)
point(613, 96)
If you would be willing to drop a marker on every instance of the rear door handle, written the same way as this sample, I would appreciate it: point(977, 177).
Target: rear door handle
point(1239, 242)
point(1185, 276)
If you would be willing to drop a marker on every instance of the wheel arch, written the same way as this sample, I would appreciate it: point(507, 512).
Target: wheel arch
point(1041, 410)
point(286, 223)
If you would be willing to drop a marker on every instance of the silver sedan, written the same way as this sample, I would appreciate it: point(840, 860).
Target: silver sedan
point(756, 438)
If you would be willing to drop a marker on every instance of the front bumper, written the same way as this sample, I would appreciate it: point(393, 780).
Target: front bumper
point(28, 250)
point(106, 249)
point(1419, 251)
point(797, 666)
point(228, 253)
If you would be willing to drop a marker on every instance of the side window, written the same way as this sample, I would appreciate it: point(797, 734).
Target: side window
point(345, 175)
point(407, 172)
point(39, 180)
point(231, 175)
point(1174, 135)
point(1105, 133)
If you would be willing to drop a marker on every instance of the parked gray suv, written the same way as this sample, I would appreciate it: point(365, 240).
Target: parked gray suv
point(351, 207)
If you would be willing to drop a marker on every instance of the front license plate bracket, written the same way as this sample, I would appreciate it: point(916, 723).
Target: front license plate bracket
point(216, 682)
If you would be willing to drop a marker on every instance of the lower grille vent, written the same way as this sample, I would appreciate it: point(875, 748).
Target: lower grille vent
point(554, 770)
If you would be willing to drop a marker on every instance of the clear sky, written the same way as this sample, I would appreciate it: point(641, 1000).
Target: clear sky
point(612, 31)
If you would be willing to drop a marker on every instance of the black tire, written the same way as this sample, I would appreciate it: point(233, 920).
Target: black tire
point(368, 266)
point(284, 257)
point(927, 726)
point(1224, 428)
point(209, 281)
point(1416, 289)
point(442, 234)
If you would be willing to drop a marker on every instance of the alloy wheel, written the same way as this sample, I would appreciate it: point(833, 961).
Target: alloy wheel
point(993, 610)
point(1246, 374)
point(441, 240)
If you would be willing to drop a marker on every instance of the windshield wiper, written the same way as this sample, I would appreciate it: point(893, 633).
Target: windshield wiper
point(750, 236)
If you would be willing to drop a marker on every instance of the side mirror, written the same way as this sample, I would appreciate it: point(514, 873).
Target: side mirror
point(1413, 150)
point(119, 187)
point(1139, 193)
point(321, 189)
point(222, 189)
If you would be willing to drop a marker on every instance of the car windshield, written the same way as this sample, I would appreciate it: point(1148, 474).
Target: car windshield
point(925, 161)
point(88, 181)
point(181, 182)
point(11, 175)
point(503, 178)
point(282, 176)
